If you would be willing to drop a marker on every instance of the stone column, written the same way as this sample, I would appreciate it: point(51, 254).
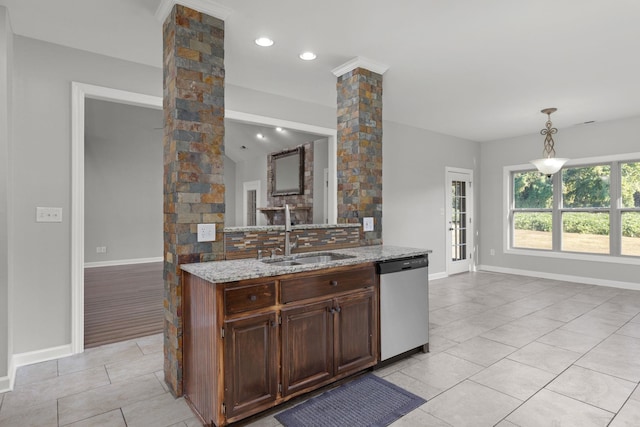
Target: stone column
point(193, 159)
point(359, 161)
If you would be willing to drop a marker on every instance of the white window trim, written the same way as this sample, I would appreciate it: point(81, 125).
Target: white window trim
point(506, 200)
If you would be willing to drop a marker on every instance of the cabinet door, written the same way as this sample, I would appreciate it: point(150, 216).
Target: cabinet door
point(307, 345)
point(251, 363)
point(355, 331)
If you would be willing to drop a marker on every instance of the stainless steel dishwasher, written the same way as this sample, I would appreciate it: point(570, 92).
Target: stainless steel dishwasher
point(404, 305)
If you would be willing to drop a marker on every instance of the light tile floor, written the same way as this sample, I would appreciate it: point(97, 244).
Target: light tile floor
point(505, 351)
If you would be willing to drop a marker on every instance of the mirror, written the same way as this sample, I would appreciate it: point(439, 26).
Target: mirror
point(247, 170)
point(287, 172)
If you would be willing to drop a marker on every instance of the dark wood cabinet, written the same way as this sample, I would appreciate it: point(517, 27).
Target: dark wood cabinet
point(355, 337)
point(251, 363)
point(253, 344)
point(307, 346)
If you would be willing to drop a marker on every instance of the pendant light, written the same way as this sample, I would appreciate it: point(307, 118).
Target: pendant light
point(549, 164)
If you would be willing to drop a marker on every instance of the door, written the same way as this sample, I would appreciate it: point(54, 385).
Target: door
point(307, 346)
point(251, 374)
point(250, 203)
point(355, 343)
point(459, 221)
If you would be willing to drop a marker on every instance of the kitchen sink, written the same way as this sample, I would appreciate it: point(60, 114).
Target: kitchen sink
point(281, 262)
point(311, 258)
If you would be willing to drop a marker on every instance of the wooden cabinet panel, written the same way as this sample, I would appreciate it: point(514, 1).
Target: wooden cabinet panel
point(307, 346)
point(355, 332)
point(238, 299)
point(302, 331)
point(306, 287)
point(251, 363)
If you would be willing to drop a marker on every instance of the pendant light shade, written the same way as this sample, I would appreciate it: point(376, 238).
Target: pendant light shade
point(549, 163)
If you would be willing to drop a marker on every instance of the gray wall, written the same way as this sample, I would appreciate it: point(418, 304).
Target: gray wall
point(41, 160)
point(123, 181)
point(42, 177)
point(6, 65)
point(413, 186)
point(583, 141)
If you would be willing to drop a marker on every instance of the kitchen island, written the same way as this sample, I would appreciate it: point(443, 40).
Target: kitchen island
point(259, 332)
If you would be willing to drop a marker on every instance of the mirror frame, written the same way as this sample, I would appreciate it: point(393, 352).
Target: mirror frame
point(273, 159)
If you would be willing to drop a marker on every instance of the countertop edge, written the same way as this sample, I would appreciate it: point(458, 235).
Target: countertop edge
point(243, 269)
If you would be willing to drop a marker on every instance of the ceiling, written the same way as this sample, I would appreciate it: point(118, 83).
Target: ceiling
point(479, 70)
point(239, 134)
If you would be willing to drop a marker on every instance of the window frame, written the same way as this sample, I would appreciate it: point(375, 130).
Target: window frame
point(615, 211)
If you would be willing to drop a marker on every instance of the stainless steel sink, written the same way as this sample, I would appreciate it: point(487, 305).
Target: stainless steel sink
point(311, 258)
point(281, 262)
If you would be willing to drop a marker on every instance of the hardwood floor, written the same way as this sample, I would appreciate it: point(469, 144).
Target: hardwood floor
point(122, 302)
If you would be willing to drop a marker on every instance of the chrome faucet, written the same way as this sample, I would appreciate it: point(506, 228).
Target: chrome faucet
point(287, 232)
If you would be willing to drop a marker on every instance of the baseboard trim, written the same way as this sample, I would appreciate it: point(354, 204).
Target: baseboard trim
point(436, 276)
point(563, 277)
point(122, 262)
point(37, 356)
point(6, 383)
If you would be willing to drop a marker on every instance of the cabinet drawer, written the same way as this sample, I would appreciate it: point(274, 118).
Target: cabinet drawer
point(325, 284)
point(250, 297)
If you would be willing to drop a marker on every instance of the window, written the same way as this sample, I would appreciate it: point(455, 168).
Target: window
point(630, 210)
point(532, 216)
point(586, 203)
point(590, 209)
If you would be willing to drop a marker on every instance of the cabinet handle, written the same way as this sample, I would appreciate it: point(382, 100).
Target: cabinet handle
point(333, 283)
point(337, 309)
point(252, 297)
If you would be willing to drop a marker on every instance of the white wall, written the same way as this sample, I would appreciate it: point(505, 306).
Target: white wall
point(252, 169)
point(123, 181)
point(6, 270)
point(583, 141)
point(42, 177)
point(230, 192)
point(320, 162)
point(413, 186)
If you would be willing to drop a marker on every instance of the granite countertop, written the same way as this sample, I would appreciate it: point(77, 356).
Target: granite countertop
point(251, 268)
point(257, 228)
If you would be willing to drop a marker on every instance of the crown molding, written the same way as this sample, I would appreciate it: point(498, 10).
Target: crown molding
point(360, 62)
point(205, 6)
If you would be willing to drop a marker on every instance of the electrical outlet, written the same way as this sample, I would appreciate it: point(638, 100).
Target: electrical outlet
point(492, 252)
point(101, 249)
point(206, 232)
point(367, 223)
point(48, 214)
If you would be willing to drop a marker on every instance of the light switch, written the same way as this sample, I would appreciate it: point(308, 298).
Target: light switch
point(367, 223)
point(48, 214)
point(206, 232)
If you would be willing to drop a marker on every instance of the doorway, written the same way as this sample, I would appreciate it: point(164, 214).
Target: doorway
point(459, 221)
point(250, 202)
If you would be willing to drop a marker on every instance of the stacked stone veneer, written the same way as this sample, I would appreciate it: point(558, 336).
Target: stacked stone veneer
point(193, 168)
point(359, 161)
point(305, 199)
point(245, 244)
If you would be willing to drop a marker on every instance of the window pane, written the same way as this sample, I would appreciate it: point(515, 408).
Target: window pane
point(631, 185)
point(631, 233)
point(532, 190)
point(585, 232)
point(586, 187)
point(532, 230)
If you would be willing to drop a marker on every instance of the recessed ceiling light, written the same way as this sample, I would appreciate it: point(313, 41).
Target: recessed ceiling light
point(264, 41)
point(308, 56)
point(260, 136)
point(279, 129)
